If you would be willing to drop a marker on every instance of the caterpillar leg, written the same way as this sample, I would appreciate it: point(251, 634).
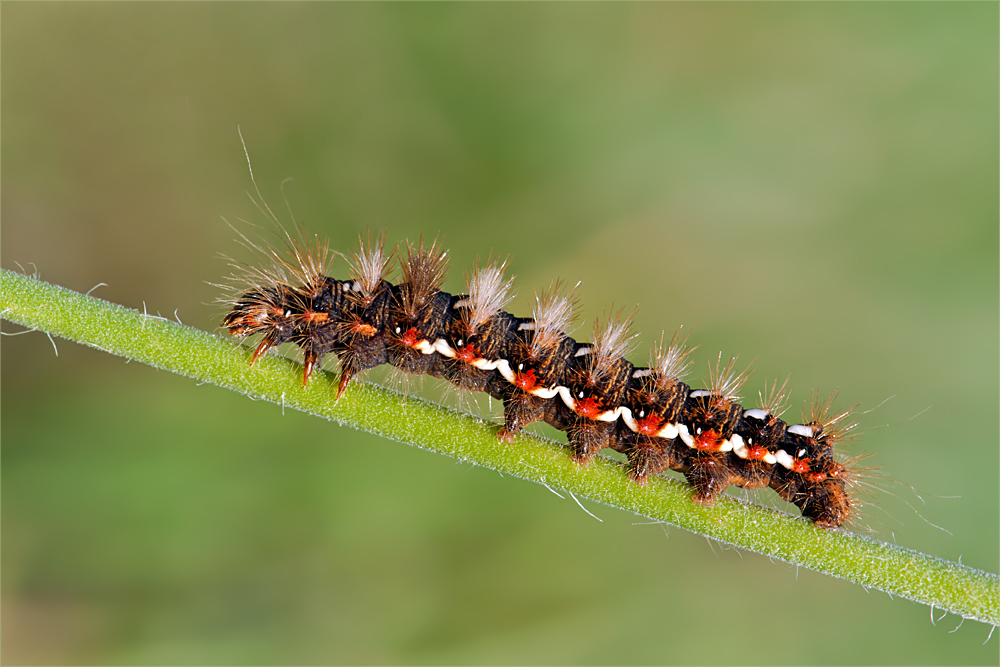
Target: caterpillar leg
point(588, 437)
point(649, 456)
point(519, 410)
point(828, 504)
point(709, 475)
point(825, 500)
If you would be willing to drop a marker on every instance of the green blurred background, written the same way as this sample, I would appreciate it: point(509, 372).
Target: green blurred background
point(811, 185)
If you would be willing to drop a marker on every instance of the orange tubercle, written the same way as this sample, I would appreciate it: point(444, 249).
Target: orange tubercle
point(467, 354)
point(314, 317)
point(707, 441)
point(649, 425)
point(410, 338)
point(525, 381)
point(363, 329)
point(589, 408)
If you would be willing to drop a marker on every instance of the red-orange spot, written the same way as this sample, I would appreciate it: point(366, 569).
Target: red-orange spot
point(525, 381)
point(707, 441)
point(410, 338)
point(589, 408)
point(756, 453)
point(313, 317)
point(816, 476)
point(363, 329)
point(800, 465)
point(649, 425)
point(467, 354)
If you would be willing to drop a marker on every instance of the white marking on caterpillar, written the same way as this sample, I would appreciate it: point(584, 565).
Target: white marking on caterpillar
point(443, 348)
point(801, 429)
point(567, 398)
point(685, 435)
point(738, 446)
point(669, 431)
point(610, 415)
point(505, 371)
point(784, 458)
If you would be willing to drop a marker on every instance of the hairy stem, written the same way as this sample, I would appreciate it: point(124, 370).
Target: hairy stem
point(164, 344)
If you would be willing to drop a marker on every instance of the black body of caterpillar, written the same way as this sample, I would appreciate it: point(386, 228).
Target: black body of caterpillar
point(588, 390)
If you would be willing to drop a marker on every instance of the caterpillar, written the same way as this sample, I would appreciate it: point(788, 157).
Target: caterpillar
point(588, 390)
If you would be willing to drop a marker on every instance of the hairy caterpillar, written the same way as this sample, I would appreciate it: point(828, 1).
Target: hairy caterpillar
point(588, 390)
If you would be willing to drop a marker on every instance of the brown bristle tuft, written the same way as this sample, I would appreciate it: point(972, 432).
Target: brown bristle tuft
point(611, 342)
point(423, 275)
point(724, 382)
point(774, 400)
point(370, 264)
point(489, 293)
point(310, 258)
point(303, 260)
point(553, 314)
point(671, 363)
point(830, 427)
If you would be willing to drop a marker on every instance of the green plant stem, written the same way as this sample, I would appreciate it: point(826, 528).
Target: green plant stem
point(164, 344)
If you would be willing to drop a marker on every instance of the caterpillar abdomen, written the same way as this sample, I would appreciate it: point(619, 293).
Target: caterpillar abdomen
point(588, 390)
